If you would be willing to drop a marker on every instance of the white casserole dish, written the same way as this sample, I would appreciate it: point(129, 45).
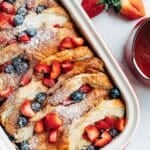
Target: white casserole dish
point(100, 48)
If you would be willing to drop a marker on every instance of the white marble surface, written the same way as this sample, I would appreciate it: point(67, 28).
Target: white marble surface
point(115, 30)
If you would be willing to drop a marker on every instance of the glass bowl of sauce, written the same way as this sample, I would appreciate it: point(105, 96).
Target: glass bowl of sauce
point(137, 50)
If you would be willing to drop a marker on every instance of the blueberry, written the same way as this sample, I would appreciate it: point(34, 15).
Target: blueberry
point(41, 97)
point(115, 93)
point(24, 145)
point(18, 20)
point(22, 121)
point(40, 8)
point(90, 147)
point(10, 1)
point(16, 61)
point(36, 106)
point(9, 69)
point(113, 132)
point(22, 11)
point(31, 32)
point(22, 67)
point(77, 96)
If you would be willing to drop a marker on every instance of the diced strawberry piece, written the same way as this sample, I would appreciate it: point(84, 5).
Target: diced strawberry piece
point(39, 127)
point(102, 125)
point(105, 139)
point(92, 132)
point(53, 136)
point(4, 19)
point(26, 109)
point(9, 90)
point(66, 66)
point(78, 41)
point(7, 8)
point(25, 79)
point(66, 43)
point(110, 120)
point(24, 38)
point(53, 121)
point(57, 26)
point(120, 124)
point(42, 68)
point(48, 82)
point(56, 69)
point(86, 88)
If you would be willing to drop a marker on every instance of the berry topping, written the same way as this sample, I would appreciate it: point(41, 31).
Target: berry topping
point(41, 97)
point(77, 96)
point(115, 93)
point(10, 1)
point(9, 69)
point(22, 11)
point(4, 94)
point(110, 120)
point(39, 127)
point(36, 106)
point(16, 61)
point(92, 132)
point(120, 124)
point(31, 32)
point(102, 125)
point(42, 68)
point(7, 8)
point(25, 79)
point(78, 41)
point(85, 88)
point(48, 82)
point(4, 19)
point(18, 20)
point(113, 132)
point(26, 109)
point(53, 136)
point(23, 37)
point(22, 121)
point(53, 121)
point(66, 66)
point(40, 8)
point(24, 145)
point(56, 69)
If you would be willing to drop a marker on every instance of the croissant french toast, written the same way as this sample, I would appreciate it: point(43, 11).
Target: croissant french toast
point(55, 93)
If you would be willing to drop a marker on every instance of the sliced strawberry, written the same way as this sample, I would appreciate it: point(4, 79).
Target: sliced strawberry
point(78, 41)
point(7, 8)
point(48, 82)
point(56, 69)
point(25, 79)
point(42, 68)
point(102, 125)
point(4, 19)
point(57, 26)
point(110, 120)
point(39, 127)
point(105, 139)
point(92, 132)
point(24, 38)
point(66, 66)
point(53, 121)
point(86, 88)
point(53, 136)
point(120, 124)
point(26, 109)
point(9, 90)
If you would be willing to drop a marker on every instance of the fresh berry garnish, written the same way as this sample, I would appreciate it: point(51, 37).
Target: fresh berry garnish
point(113, 132)
point(115, 93)
point(53, 121)
point(53, 136)
point(18, 20)
point(24, 145)
point(66, 66)
point(56, 69)
point(110, 120)
point(92, 132)
point(23, 37)
point(7, 8)
point(16, 61)
point(120, 124)
point(9, 69)
point(102, 125)
point(26, 109)
point(22, 11)
point(5, 93)
point(86, 88)
point(41, 97)
point(10, 1)
point(25, 79)
point(77, 96)
point(105, 139)
point(48, 82)
point(31, 32)
point(36, 106)
point(4, 19)
point(40, 8)
point(22, 121)
point(78, 41)
point(42, 68)
point(39, 127)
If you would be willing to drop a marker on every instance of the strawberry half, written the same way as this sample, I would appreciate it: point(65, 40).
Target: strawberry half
point(26, 109)
point(102, 125)
point(53, 121)
point(56, 69)
point(105, 139)
point(25, 79)
point(110, 120)
point(24, 38)
point(42, 68)
point(48, 82)
point(77, 41)
point(9, 90)
point(86, 88)
point(39, 127)
point(4, 19)
point(120, 124)
point(53, 136)
point(92, 132)
point(7, 8)
point(66, 66)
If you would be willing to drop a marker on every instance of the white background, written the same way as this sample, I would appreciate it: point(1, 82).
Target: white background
point(115, 31)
